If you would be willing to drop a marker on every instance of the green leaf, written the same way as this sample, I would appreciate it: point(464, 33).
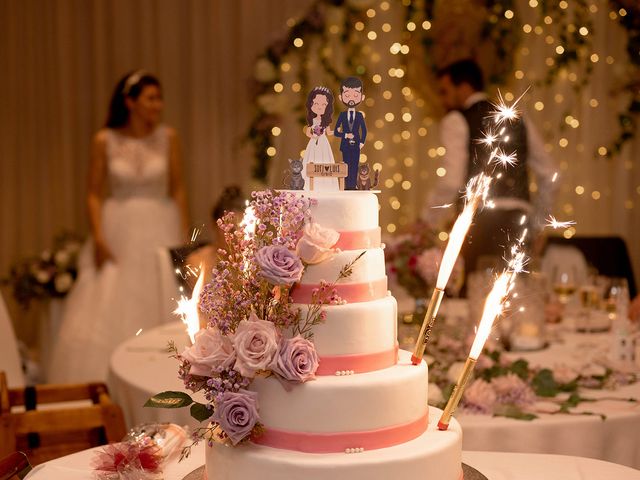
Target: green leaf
point(544, 384)
point(520, 368)
point(511, 411)
point(169, 400)
point(200, 411)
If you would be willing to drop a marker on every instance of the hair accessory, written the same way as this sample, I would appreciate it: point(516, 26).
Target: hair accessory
point(131, 81)
point(322, 89)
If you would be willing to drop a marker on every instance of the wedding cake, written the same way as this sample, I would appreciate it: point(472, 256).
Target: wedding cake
point(365, 415)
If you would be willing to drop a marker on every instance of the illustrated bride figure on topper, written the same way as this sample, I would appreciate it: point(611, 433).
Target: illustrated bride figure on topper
point(319, 116)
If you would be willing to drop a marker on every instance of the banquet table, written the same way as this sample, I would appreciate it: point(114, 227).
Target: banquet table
point(493, 465)
point(140, 368)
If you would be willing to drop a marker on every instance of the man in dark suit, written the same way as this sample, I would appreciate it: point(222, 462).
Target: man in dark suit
point(351, 128)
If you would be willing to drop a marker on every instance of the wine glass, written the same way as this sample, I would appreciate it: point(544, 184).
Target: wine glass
point(564, 282)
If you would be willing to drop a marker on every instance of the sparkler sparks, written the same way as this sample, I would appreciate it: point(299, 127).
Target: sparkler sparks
point(187, 308)
point(555, 224)
point(489, 138)
point(506, 113)
point(446, 205)
point(506, 160)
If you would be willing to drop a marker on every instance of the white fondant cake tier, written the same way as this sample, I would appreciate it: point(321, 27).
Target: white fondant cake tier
point(434, 455)
point(344, 211)
point(368, 268)
point(381, 399)
point(356, 328)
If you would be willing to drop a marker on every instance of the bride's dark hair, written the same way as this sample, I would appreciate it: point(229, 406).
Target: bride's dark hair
point(325, 119)
point(131, 85)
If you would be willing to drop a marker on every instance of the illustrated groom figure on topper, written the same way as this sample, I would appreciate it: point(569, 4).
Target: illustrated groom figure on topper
point(351, 128)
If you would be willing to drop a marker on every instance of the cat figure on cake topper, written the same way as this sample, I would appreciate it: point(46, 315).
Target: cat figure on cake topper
point(364, 177)
point(293, 177)
point(351, 128)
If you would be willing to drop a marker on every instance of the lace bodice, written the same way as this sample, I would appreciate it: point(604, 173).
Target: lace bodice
point(138, 167)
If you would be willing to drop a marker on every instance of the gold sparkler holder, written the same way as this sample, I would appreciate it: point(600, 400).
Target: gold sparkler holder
point(427, 325)
point(456, 395)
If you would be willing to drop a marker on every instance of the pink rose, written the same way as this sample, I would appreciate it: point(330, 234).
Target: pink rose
point(256, 345)
point(511, 389)
point(278, 265)
point(479, 397)
point(237, 414)
point(315, 244)
point(210, 350)
point(297, 360)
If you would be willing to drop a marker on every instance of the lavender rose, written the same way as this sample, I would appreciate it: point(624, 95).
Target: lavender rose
point(256, 345)
point(297, 360)
point(315, 244)
point(279, 265)
point(236, 413)
point(210, 350)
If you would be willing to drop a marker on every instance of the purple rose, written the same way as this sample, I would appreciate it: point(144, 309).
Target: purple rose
point(209, 351)
point(297, 360)
point(279, 265)
point(256, 345)
point(236, 413)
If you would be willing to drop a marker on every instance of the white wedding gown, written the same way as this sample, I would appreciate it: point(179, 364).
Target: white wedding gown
point(319, 151)
point(108, 305)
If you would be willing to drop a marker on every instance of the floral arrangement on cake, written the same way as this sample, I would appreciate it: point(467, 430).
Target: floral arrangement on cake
point(48, 275)
point(512, 388)
point(253, 326)
point(413, 259)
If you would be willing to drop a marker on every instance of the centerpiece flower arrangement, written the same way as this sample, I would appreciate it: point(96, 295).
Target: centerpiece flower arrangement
point(512, 388)
point(48, 275)
point(254, 328)
point(413, 260)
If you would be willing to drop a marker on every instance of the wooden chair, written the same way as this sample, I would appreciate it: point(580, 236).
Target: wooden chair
point(14, 466)
point(56, 429)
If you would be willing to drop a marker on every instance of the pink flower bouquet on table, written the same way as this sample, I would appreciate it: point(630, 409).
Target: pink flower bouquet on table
point(254, 328)
point(413, 260)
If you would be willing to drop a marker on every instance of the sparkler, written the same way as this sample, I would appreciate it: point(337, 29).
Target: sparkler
point(553, 223)
point(187, 308)
point(476, 191)
point(493, 307)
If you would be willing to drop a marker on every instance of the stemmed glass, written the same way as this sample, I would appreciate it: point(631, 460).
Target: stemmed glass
point(564, 283)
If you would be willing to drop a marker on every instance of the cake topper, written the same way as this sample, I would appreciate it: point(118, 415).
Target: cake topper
point(319, 109)
point(351, 128)
point(294, 179)
point(364, 181)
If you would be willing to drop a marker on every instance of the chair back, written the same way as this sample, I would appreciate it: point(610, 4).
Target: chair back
point(49, 421)
point(14, 466)
point(9, 355)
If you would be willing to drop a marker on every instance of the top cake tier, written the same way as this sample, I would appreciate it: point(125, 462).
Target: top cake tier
point(349, 211)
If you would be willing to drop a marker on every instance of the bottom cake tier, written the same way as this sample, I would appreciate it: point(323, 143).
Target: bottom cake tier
point(434, 455)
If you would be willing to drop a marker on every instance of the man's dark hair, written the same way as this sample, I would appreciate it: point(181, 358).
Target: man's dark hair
point(350, 82)
point(464, 71)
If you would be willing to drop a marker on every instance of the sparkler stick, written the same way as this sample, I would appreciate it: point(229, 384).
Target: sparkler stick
point(492, 309)
point(476, 191)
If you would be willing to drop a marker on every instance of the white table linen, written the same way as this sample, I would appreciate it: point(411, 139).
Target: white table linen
point(494, 465)
point(140, 368)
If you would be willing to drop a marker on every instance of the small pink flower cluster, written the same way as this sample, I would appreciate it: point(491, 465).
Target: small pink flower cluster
point(483, 397)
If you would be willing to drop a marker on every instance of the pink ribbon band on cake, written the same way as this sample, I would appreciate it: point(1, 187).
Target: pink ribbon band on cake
point(350, 292)
point(339, 442)
point(358, 363)
point(359, 239)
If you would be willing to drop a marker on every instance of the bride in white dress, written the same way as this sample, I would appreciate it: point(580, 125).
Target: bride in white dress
point(319, 117)
point(137, 204)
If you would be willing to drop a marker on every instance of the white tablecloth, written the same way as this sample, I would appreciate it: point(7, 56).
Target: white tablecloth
point(494, 465)
point(616, 439)
point(140, 368)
